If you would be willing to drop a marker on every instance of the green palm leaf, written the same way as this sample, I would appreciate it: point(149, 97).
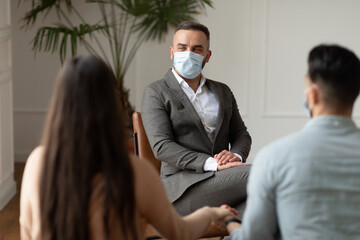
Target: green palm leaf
point(163, 14)
point(47, 38)
point(119, 21)
point(43, 6)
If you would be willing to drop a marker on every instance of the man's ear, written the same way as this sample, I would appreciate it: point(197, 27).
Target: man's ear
point(315, 95)
point(208, 55)
point(318, 94)
point(171, 53)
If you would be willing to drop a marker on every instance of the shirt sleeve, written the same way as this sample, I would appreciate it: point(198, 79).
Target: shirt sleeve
point(210, 164)
point(239, 156)
point(260, 221)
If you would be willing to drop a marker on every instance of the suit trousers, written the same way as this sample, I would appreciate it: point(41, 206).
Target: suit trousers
point(225, 187)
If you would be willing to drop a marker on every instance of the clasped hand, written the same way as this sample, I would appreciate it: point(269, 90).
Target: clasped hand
point(227, 159)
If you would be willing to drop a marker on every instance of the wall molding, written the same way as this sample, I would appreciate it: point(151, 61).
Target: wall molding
point(5, 32)
point(266, 67)
point(7, 183)
point(29, 111)
point(5, 75)
point(4, 26)
point(5, 69)
point(7, 190)
point(266, 113)
point(245, 114)
point(5, 42)
point(295, 115)
point(284, 115)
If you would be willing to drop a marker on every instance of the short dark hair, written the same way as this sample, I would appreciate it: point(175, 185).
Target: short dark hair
point(337, 72)
point(189, 25)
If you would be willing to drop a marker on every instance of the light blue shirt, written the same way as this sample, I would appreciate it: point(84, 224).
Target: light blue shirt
point(306, 185)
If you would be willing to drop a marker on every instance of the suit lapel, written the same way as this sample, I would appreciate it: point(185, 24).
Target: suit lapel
point(176, 89)
point(221, 113)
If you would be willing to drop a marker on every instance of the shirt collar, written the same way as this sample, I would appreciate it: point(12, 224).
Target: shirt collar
point(182, 82)
point(327, 121)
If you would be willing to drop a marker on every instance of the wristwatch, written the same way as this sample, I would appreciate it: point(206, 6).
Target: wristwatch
point(232, 220)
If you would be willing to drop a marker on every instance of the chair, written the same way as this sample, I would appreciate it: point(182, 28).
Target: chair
point(143, 149)
point(141, 143)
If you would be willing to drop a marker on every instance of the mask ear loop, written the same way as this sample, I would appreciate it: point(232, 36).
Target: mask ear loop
point(308, 106)
point(311, 106)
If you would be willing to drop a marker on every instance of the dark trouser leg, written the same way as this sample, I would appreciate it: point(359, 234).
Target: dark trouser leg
point(225, 187)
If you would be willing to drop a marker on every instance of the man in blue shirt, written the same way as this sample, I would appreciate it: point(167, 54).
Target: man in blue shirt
point(307, 185)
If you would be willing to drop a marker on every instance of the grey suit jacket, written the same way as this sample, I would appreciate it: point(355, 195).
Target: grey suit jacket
point(177, 135)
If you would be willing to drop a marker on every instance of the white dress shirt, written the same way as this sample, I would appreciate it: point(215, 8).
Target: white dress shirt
point(207, 107)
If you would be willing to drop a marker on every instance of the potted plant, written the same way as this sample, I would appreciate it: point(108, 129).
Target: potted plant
point(125, 24)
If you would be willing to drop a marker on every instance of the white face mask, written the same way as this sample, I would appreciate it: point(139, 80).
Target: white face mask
point(306, 106)
point(188, 64)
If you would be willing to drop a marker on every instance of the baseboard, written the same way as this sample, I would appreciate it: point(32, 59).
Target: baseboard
point(7, 191)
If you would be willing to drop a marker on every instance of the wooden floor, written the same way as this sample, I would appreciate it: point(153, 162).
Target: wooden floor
point(9, 215)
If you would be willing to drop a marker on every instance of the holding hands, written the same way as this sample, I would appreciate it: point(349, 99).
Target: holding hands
point(222, 213)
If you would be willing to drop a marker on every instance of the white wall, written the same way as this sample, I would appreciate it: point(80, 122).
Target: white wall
point(259, 49)
point(7, 183)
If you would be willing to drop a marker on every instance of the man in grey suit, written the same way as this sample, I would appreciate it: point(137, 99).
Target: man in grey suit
point(307, 185)
point(190, 122)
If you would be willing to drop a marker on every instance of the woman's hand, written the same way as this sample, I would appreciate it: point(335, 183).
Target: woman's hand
point(233, 210)
point(220, 214)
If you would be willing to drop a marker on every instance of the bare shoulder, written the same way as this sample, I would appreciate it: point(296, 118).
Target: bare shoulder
point(35, 159)
point(37, 152)
point(32, 174)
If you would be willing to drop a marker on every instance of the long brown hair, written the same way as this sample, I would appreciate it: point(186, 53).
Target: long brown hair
point(84, 137)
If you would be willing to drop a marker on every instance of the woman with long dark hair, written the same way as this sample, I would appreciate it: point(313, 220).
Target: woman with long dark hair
point(81, 183)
